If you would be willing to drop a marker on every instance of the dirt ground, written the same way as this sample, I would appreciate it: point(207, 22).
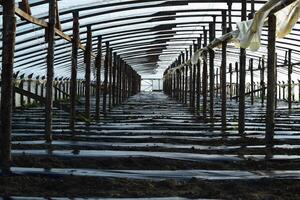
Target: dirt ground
point(95, 187)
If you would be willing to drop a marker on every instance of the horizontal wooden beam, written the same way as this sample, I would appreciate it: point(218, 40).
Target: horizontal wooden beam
point(44, 24)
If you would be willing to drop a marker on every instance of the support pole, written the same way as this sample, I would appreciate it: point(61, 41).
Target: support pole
point(237, 80)
point(50, 69)
point(191, 79)
point(9, 36)
point(205, 75)
point(119, 80)
point(114, 79)
point(211, 70)
point(262, 77)
point(110, 78)
point(105, 79)
point(186, 79)
point(271, 81)
point(98, 77)
point(290, 71)
point(88, 58)
point(194, 81)
point(230, 81)
point(252, 80)
point(73, 86)
point(198, 78)
point(242, 78)
point(223, 73)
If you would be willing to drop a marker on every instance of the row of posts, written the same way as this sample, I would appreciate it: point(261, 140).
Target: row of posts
point(186, 85)
point(120, 79)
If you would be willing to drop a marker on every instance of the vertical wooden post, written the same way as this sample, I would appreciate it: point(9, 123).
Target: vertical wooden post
point(125, 82)
point(36, 92)
point(59, 87)
point(105, 78)
point(276, 78)
point(290, 71)
point(271, 81)
point(217, 82)
point(21, 85)
point(194, 80)
point(50, 69)
point(198, 78)
point(183, 78)
point(9, 35)
point(262, 78)
point(186, 79)
point(283, 90)
point(98, 76)
point(237, 80)
point(29, 81)
point(110, 78)
point(212, 69)
point(242, 77)
point(229, 4)
point(88, 72)
point(119, 80)
point(15, 76)
point(230, 81)
point(191, 79)
point(223, 73)
point(252, 80)
point(73, 85)
point(204, 76)
point(114, 79)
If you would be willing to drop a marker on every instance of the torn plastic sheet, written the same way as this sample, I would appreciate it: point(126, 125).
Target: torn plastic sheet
point(249, 35)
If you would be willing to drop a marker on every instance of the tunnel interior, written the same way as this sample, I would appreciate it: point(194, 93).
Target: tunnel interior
point(150, 99)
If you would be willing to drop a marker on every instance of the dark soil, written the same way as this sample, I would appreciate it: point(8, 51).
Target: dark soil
point(149, 163)
point(90, 187)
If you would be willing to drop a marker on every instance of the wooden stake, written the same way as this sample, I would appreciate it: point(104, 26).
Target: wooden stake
point(98, 77)
point(290, 71)
point(223, 73)
point(242, 86)
point(105, 78)
point(50, 69)
point(88, 72)
point(211, 70)
point(271, 81)
point(9, 36)
point(252, 80)
point(204, 76)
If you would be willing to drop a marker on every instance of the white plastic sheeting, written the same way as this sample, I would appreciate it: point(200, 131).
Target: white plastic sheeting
point(249, 35)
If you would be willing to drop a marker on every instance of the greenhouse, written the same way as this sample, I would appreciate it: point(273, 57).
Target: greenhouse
point(149, 99)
